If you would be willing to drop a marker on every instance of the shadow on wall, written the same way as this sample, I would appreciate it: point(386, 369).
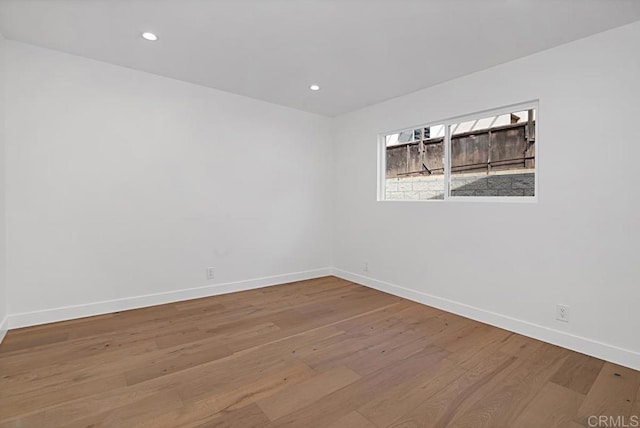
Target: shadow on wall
point(494, 185)
point(431, 187)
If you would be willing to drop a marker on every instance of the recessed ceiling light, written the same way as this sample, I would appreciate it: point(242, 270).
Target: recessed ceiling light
point(314, 87)
point(149, 36)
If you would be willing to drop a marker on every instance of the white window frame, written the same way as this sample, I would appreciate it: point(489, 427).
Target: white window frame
point(382, 157)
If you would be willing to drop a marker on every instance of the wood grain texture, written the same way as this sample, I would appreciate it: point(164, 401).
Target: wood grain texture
point(306, 393)
point(318, 353)
point(554, 407)
point(578, 372)
point(613, 394)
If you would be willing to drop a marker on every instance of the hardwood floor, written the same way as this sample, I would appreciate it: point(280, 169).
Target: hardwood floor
point(319, 353)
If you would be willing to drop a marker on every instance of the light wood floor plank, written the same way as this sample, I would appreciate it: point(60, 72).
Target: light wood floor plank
point(352, 420)
point(612, 393)
point(318, 353)
point(500, 401)
point(441, 404)
point(198, 411)
point(393, 403)
point(578, 373)
point(554, 407)
point(307, 392)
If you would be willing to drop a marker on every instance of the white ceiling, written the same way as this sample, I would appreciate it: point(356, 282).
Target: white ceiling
point(359, 51)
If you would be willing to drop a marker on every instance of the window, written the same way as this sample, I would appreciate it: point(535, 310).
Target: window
point(483, 156)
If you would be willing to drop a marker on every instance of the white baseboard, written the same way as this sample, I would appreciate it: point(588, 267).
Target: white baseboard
point(4, 326)
point(614, 354)
point(584, 345)
point(27, 319)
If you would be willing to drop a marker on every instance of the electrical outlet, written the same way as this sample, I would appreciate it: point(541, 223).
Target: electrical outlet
point(365, 266)
point(562, 313)
point(211, 273)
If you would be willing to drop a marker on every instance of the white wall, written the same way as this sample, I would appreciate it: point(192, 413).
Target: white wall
point(577, 246)
point(3, 286)
point(126, 184)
